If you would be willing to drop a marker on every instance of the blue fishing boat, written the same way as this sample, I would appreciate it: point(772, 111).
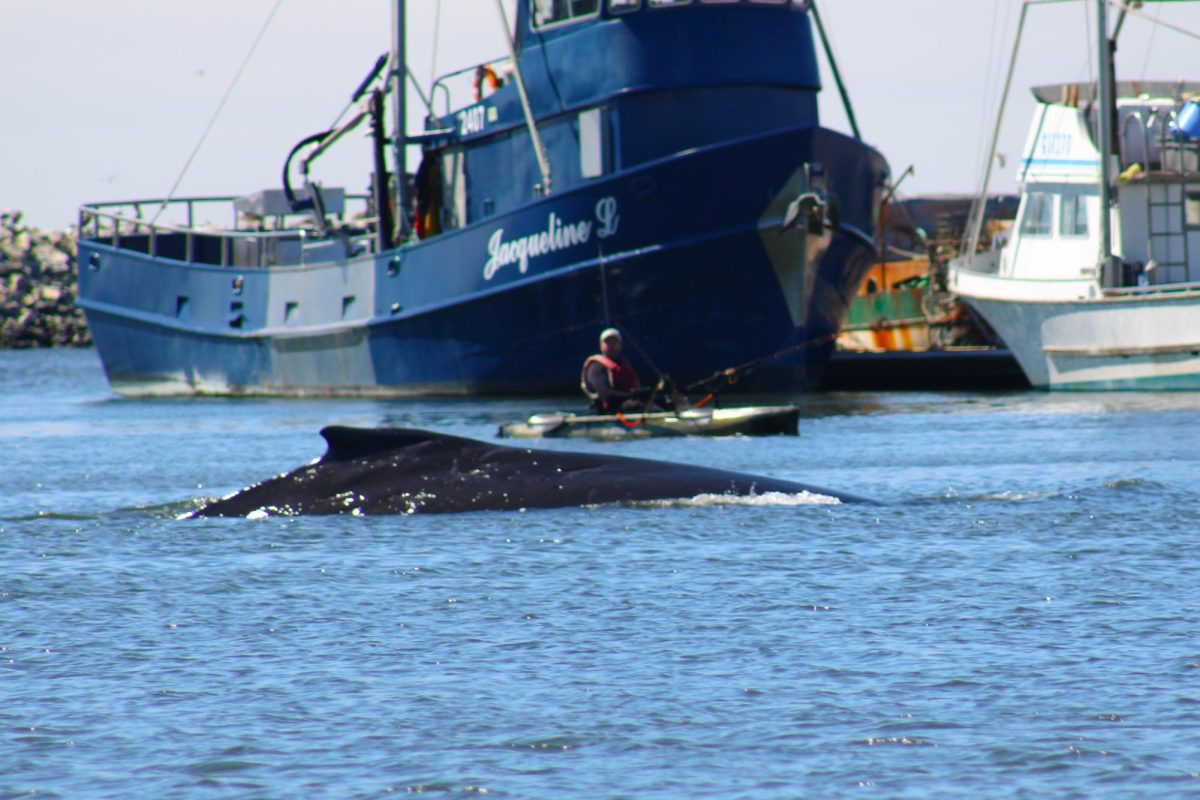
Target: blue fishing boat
point(653, 164)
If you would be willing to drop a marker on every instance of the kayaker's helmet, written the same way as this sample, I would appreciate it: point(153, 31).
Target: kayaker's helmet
point(609, 333)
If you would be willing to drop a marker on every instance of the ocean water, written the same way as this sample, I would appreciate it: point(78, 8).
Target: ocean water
point(1018, 617)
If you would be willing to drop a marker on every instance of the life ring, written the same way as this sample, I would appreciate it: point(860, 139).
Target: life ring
point(485, 74)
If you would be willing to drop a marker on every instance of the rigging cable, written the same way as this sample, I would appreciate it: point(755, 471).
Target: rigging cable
point(1157, 22)
point(985, 96)
point(437, 29)
point(217, 113)
point(1087, 48)
point(1150, 42)
point(994, 88)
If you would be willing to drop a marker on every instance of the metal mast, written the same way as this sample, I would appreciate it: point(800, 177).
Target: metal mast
point(396, 83)
point(833, 67)
point(1105, 144)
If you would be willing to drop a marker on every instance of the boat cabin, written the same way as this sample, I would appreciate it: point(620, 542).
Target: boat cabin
point(1156, 220)
point(611, 84)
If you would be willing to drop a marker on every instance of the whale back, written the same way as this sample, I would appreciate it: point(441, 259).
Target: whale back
point(407, 471)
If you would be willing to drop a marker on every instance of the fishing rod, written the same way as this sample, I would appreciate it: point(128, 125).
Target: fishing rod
point(664, 384)
point(732, 375)
point(720, 379)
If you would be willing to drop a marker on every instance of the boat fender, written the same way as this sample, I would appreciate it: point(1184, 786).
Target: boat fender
point(485, 74)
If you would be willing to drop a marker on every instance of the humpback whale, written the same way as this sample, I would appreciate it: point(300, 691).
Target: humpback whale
point(407, 471)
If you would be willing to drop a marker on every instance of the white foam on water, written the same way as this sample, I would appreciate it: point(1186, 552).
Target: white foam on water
point(1010, 495)
point(782, 499)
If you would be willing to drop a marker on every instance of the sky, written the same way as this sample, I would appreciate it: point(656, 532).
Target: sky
point(107, 99)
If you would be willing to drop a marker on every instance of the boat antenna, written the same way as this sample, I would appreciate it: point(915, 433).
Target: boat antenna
point(979, 206)
point(538, 150)
point(217, 113)
point(833, 67)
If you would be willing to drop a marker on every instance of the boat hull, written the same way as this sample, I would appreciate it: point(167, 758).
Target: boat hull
point(687, 255)
point(1136, 341)
point(745, 421)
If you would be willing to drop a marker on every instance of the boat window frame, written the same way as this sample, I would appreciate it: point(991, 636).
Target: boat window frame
point(537, 27)
point(633, 5)
point(1191, 200)
point(659, 5)
point(1079, 200)
point(1023, 225)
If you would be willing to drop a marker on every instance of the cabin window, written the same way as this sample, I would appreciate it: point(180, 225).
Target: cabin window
point(1036, 218)
point(1072, 215)
point(1191, 210)
point(665, 3)
point(623, 6)
point(554, 12)
point(592, 144)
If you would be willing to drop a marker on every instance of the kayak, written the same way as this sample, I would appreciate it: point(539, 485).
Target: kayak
point(744, 421)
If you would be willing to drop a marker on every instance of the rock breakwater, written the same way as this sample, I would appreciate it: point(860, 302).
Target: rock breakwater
point(38, 284)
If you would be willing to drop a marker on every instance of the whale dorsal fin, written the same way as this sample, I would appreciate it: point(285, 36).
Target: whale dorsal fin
point(344, 443)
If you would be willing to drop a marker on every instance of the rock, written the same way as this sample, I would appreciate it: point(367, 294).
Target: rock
point(38, 286)
point(51, 258)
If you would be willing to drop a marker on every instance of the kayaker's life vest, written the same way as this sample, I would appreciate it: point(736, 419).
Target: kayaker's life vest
point(620, 375)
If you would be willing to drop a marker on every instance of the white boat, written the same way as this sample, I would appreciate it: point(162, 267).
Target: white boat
point(743, 421)
point(1098, 286)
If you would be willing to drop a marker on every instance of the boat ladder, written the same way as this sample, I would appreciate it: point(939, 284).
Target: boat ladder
point(1167, 203)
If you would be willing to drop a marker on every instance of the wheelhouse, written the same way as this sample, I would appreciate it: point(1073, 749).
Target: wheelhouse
point(655, 97)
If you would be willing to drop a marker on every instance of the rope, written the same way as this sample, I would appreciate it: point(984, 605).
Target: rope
point(1154, 20)
point(220, 106)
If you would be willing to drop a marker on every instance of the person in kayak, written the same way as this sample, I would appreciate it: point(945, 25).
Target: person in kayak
point(610, 381)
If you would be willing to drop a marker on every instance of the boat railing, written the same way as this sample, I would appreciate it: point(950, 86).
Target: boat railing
point(441, 82)
point(1163, 289)
point(1135, 143)
point(124, 223)
point(1170, 163)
